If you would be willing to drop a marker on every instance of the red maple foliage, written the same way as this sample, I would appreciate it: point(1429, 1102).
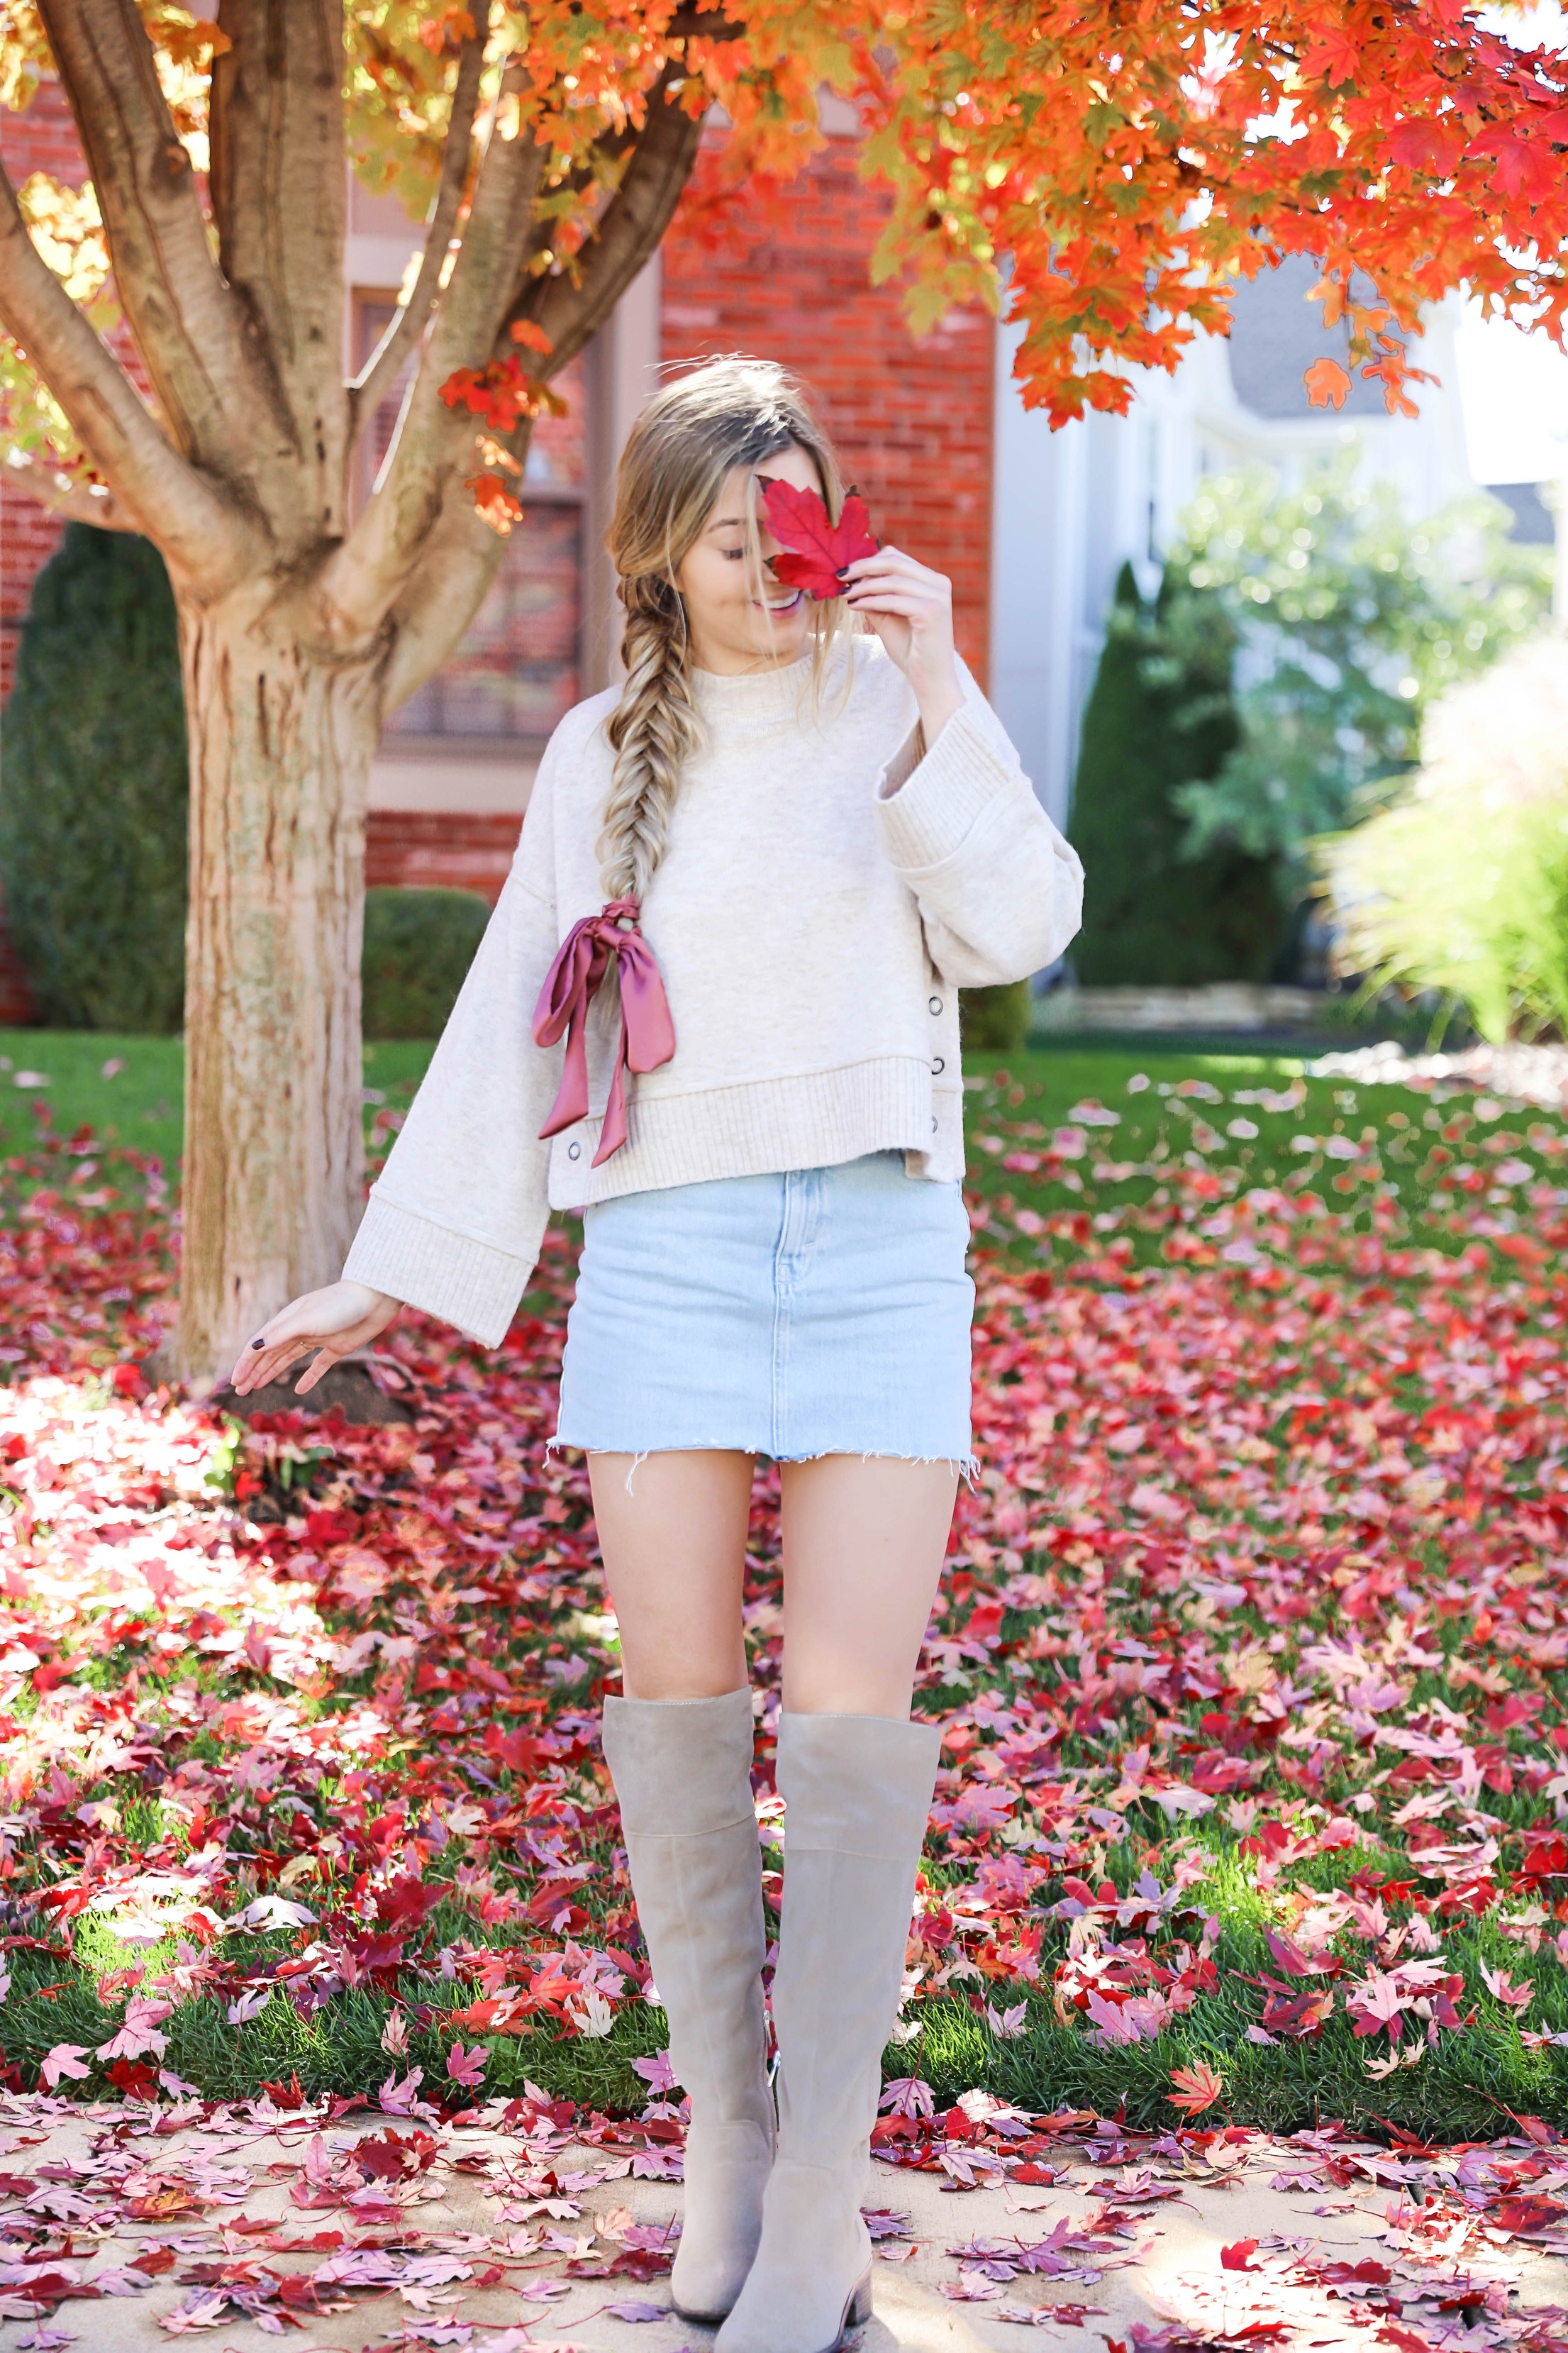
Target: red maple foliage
point(1261, 1569)
point(813, 548)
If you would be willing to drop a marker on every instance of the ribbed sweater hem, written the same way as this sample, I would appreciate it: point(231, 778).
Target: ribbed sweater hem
point(464, 1281)
point(816, 1120)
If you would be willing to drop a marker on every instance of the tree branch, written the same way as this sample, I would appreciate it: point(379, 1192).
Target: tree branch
point(361, 580)
point(203, 537)
point(412, 507)
point(462, 553)
point(186, 324)
point(280, 195)
point(72, 501)
point(460, 559)
point(573, 304)
point(380, 371)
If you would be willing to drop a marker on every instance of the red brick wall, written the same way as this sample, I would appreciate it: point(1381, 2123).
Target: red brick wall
point(911, 417)
point(28, 537)
point(438, 849)
point(43, 139)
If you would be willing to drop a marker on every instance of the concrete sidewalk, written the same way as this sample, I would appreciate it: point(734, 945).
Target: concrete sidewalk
point(1123, 2246)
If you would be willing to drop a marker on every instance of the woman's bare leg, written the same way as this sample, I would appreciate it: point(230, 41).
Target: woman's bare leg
point(863, 1543)
point(863, 1547)
point(672, 1531)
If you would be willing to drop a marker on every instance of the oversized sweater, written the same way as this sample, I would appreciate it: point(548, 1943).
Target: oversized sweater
point(830, 884)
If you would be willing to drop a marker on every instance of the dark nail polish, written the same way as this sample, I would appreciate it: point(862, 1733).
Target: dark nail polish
point(259, 1344)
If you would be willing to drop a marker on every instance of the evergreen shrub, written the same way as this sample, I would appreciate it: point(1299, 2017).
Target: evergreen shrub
point(418, 945)
point(995, 1020)
point(1160, 715)
point(94, 789)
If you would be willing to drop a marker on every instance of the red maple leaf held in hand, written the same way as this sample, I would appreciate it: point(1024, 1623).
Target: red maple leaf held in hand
point(814, 549)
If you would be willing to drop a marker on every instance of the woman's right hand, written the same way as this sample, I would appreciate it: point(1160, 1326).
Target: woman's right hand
point(337, 1321)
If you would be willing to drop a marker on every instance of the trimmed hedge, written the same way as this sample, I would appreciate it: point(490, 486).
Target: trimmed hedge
point(418, 945)
point(94, 789)
point(995, 1020)
point(1160, 714)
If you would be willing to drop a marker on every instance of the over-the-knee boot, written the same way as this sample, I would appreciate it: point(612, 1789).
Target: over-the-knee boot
point(682, 1773)
point(857, 1792)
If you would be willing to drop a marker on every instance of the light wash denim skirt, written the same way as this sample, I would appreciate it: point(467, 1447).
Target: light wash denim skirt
point(820, 1311)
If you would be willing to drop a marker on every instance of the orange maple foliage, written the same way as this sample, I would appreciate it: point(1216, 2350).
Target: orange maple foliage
point(1104, 171)
point(1109, 171)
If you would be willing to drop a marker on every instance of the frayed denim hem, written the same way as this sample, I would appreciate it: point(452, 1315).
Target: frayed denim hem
point(967, 1466)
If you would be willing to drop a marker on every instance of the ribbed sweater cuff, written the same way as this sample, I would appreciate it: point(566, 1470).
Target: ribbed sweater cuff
point(428, 1266)
point(925, 821)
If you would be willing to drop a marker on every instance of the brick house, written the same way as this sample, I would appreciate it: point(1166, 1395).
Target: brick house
point(1031, 525)
point(450, 786)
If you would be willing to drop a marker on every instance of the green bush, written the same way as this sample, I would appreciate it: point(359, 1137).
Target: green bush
point(1356, 615)
point(418, 945)
point(94, 789)
point(1462, 888)
point(1160, 714)
point(995, 1020)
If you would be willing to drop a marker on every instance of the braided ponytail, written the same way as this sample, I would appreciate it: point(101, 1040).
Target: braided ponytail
point(681, 450)
point(654, 729)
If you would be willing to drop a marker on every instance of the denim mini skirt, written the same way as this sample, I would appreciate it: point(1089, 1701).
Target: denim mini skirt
point(819, 1311)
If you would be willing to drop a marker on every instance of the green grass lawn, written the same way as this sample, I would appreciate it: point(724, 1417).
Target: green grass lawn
point(130, 1091)
point(1083, 1129)
point(1098, 1530)
point(1150, 1117)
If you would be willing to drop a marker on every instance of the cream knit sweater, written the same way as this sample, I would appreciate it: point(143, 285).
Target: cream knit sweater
point(828, 887)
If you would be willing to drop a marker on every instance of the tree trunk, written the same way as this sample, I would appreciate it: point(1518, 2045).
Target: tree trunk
point(281, 743)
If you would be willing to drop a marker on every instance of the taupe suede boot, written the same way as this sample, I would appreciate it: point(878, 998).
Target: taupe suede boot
point(856, 1791)
point(682, 1773)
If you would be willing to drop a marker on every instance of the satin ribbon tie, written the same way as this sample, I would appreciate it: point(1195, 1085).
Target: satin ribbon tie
point(648, 1033)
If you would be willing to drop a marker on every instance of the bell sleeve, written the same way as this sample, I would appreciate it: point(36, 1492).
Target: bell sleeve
point(454, 1222)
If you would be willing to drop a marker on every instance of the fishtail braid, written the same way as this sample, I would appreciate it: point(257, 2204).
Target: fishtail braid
point(654, 729)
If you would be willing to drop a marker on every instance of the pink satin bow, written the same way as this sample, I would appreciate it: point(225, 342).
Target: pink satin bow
point(648, 1033)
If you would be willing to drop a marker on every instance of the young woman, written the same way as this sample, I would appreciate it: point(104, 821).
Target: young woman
point(796, 831)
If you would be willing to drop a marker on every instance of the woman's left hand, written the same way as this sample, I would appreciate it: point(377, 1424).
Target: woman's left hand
point(910, 609)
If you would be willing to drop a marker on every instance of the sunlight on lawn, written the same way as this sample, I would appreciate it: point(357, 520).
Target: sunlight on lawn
point(1249, 1656)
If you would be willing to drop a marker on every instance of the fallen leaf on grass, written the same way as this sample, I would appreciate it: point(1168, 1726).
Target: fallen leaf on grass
point(1197, 2087)
point(65, 2059)
point(466, 2067)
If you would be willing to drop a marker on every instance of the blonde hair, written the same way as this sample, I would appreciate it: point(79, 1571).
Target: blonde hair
point(684, 446)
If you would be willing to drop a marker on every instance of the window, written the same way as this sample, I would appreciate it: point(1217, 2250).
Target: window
point(518, 668)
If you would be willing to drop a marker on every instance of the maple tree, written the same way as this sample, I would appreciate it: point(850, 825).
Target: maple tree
point(175, 329)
